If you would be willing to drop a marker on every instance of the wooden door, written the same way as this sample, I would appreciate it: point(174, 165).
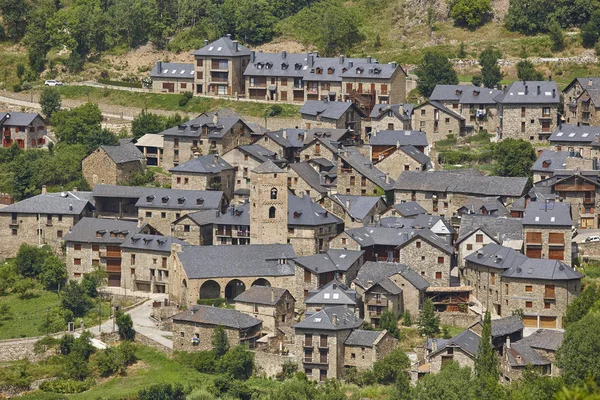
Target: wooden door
point(530, 321)
point(548, 322)
point(114, 279)
point(534, 252)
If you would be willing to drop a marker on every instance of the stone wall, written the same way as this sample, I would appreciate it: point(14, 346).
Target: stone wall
point(427, 260)
point(398, 162)
point(19, 349)
point(458, 319)
point(270, 364)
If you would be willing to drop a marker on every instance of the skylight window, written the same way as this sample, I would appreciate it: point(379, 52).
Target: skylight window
point(559, 134)
point(342, 256)
point(182, 71)
point(552, 219)
point(572, 134)
point(317, 319)
point(210, 48)
point(174, 71)
point(548, 93)
point(336, 296)
point(585, 135)
point(326, 296)
point(219, 48)
point(165, 71)
point(537, 219)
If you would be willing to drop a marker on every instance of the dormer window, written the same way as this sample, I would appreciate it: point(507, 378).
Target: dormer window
point(146, 240)
point(297, 66)
point(359, 71)
point(344, 69)
point(268, 65)
point(259, 65)
point(165, 199)
point(319, 71)
point(160, 242)
point(113, 234)
point(181, 200)
point(101, 233)
point(376, 71)
point(199, 201)
point(545, 164)
point(284, 65)
point(330, 71)
point(149, 199)
point(297, 214)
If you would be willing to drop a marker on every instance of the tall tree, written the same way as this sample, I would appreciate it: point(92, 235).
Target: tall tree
point(514, 157)
point(389, 322)
point(125, 325)
point(526, 71)
point(579, 307)
point(486, 361)
point(435, 69)
point(578, 357)
point(50, 101)
point(220, 342)
point(14, 13)
point(490, 70)
point(429, 323)
point(528, 16)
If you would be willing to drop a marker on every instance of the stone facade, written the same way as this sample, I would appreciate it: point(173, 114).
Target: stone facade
point(455, 354)
point(161, 218)
point(316, 149)
point(397, 162)
point(430, 261)
point(548, 242)
point(146, 271)
point(376, 300)
point(387, 122)
point(272, 316)
point(351, 119)
point(191, 232)
point(436, 123)
point(243, 164)
point(220, 75)
point(351, 181)
point(26, 137)
point(531, 122)
point(172, 85)
point(193, 336)
point(471, 244)
point(322, 353)
point(308, 240)
point(99, 168)
point(363, 358)
point(268, 207)
point(223, 181)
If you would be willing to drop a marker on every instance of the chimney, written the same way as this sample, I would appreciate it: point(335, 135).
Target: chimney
point(74, 189)
point(369, 59)
point(284, 134)
point(215, 117)
point(397, 144)
point(229, 36)
point(316, 53)
point(236, 46)
point(334, 320)
point(70, 207)
point(433, 345)
point(590, 82)
point(216, 159)
point(44, 189)
point(369, 283)
point(394, 65)
point(252, 56)
point(508, 342)
point(350, 64)
point(334, 286)
point(206, 42)
point(553, 93)
point(549, 77)
point(342, 59)
point(526, 90)
point(283, 54)
point(159, 66)
point(539, 90)
point(272, 296)
point(347, 204)
point(311, 60)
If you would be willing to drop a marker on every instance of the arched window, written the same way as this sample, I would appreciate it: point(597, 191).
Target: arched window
point(273, 194)
point(272, 212)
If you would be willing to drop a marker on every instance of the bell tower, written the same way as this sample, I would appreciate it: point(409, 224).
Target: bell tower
point(268, 204)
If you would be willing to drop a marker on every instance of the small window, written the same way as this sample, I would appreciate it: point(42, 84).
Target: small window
point(479, 238)
point(273, 194)
point(469, 246)
point(186, 228)
point(418, 244)
point(77, 246)
point(148, 214)
point(344, 240)
point(438, 275)
point(95, 247)
point(59, 234)
point(528, 304)
point(272, 212)
point(14, 232)
point(133, 259)
point(77, 261)
point(529, 288)
point(440, 260)
point(546, 304)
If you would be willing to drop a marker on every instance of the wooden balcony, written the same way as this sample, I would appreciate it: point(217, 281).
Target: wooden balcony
point(110, 254)
point(374, 314)
point(584, 187)
point(378, 302)
point(14, 223)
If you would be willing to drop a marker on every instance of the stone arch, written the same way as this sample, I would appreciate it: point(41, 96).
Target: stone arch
point(261, 282)
point(234, 288)
point(210, 290)
point(272, 212)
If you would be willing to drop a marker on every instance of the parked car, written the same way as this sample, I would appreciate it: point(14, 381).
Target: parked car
point(53, 82)
point(593, 239)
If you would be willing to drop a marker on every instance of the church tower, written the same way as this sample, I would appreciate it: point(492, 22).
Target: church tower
point(268, 204)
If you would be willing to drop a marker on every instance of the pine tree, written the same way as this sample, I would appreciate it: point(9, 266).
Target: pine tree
point(486, 361)
point(220, 342)
point(429, 323)
point(490, 70)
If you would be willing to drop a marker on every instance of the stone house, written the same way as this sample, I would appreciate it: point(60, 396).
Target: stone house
point(331, 114)
point(477, 231)
point(444, 192)
point(195, 228)
point(577, 140)
point(210, 133)
point(389, 286)
point(388, 117)
point(547, 231)
point(581, 103)
point(482, 206)
point(42, 220)
point(113, 165)
point(356, 211)
point(549, 161)
point(305, 177)
point(364, 348)
point(387, 142)
point(320, 339)
point(313, 272)
point(145, 262)
point(96, 243)
point(152, 147)
point(323, 144)
point(208, 172)
point(194, 328)
point(273, 306)
point(405, 158)
point(209, 272)
point(332, 294)
point(504, 280)
point(476, 104)
point(356, 175)
point(170, 77)
point(27, 130)
point(438, 121)
point(528, 110)
point(245, 159)
point(407, 209)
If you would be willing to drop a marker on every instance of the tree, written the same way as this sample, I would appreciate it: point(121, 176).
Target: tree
point(435, 69)
point(392, 369)
point(486, 361)
point(556, 35)
point(14, 14)
point(24, 287)
point(75, 299)
point(8, 276)
point(238, 363)
point(430, 19)
point(83, 125)
point(147, 122)
point(92, 281)
point(220, 342)
point(54, 272)
point(461, 51)
point(534, 386)
point(254, 21)
point(526, 71)
point(429, 323)
point(578, 355)
point(30, 259)
point(528, 16)
point(477, 80)
point(590, 30)
point(162, 391)
point(50, 101)
point(125, 325)
point(389, 322)
point(490, 70)
point(514, 157)
point(451, 383)
point(470, 13)
point(581, 305)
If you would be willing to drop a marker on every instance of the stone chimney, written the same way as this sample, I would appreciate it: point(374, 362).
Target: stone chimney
point(215, 117)
point(284, 134)
point(433, 345)
point(347, 204)
point(508, 342)
point(539, 90)
point(342, 59)
point(316, 53)
point(334, 319)
point(159, 66)
point(369, 59)
point(44, 189)
point(590, 82)
point(311, 60)
point(236, 46)
point(272, 296)
point(283, 54)
point(394, 65)
point(229, 36)
point(252, 56)
point(206, 42)
point(526, 90)
point(216, 159)
point(74, 189)
point(553, 93)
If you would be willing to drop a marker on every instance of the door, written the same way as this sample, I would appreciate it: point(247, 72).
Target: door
point(114, 279)
point(534, 252)
point(548, 322)
point(169, 86)
point(530, 321)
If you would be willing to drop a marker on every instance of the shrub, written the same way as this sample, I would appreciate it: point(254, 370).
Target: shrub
point(67, 386)
point(406, 319)
point(212, 302)
point(162, 391)
point(115, 360)
point(125, 325)
point(185, 98)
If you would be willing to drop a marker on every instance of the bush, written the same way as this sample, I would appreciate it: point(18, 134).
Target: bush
point(185, 98)
point(125, 325)
point(212, 302)
point(203, 361)
point(67, 386)
point(162, 391)
point(238, 363)
point(115, 360)
point(406, 319)
point(470, 13)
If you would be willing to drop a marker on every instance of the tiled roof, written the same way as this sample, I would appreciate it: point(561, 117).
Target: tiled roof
point(332, 260)
point(325, 108)
point(218, 317)
point(359, 206)
point(298, 138)
point(543, 269)
point(19, 118)
point(150, 242)
point(218, 124)
point(398, 138)
point(261, 295)
point(442, 108)
point(496, 256)
point(545, 339)
point(575, 133)
point(302, 211)
point(123, 153)
point(371, 71)
point(380, 110)
point(311, 176)
point(268, 167)
point(257, 152)
point(549, 161)
point(376, 272)
point(415, 154)
point(175, 199)
point(332, 294)
point(409, 209)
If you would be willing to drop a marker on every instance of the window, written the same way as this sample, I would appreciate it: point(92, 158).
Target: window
point(77, 261)
point(163, 215)
point(95, 247)
point(344, 240)
point(479, 238)
point(14, 232)
point(77, 246)
point(178, 179)
point(549, 292)
point(186, 181)
point(493, 278)
point(273, 195)
point(440, 260)
point(148, 214)
point(352, 180)
point(438, 275)
point(418, 244)
point(186, 228)
point(133, 259)
point(528, 304)
point(59, 234)
point(522, 112)
point(506, 288)
point(164, 262)
point(423, 112)
point(307, 276)
point(546, 304)
point(522, 127)
point(272, 212)
point(529, 288)
point(469, 246)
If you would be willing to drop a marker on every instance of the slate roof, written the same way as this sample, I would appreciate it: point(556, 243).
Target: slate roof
point(416, 154)
point(374, 235)
point(521, 354)
point(333, 260)
point(544, 269)
point(380, 110)
point(409, 209)
point(172, 70)
point(545, 339)
point(222, 47)
point(325, 108)
point(19, 118)
point(311, 176)
point(193, 128)
point(457, 182)
point(553, 159)
point(324, 320)
point(72, 203)
point(151, 242)
point(217, 316)
point(151, 140)
point(88, 229)
point(591, 86)
point(442, 108)
point(550, 213)
point(208, 164)
point(258, 152)
point(362, 338)
point(261, 295)
point(365, 167)
point(426, 221)
point(302, 211)
point(506, 326)
point(464, 94)
point(176, 199)
point(530, 92)
point(492, 204)
point(202, 262)
point(572, 133)
point(268, 167)
point(123, 153)
point(298, 138)
point(467, 340)
point(235, 215)
point(496, 256)
point(371, 71)
point(399, 137)
point(360, 206)
point(332, 294)
point(498, 228)
point(376, 272)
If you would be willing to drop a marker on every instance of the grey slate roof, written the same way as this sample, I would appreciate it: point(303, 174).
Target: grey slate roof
point(552, 159)
point(123, 153)
point(376, 272)
point(530, 92)
point(467, 340)
point(332, 294)
point(464, 94)
point(325, 320)
point(415, 154)
point(475, 205)
point(298, 138)
point(539, 268)
point(591, 86)
point(545, 339)
point(172, 70)
point(258, 152)
point(88, 229)
point(268, 167)
point(426, 221)
point(506, 326)
point(360, 206)
point(19, 118)
point(365, 167)
point(362, 338)
point(333, 260)
point(72, 203)
point(381, 110)
point(442, 108)
point(325, 108)
point(201, 262)
point(222, 47)
point(399, 137)
point(151, 242)
point(176, 199)
point(409, 209)
point(209, 164)
point(309, 175)
point(371, 71)
point(496, 256)
point(521, 354)
point(302, 211)
point(372, 236)
point(261, 295)
point(498, 228)
point(550, 213)
point(572, 133)
point(218, 123)
point(218, 317)
point(457, 182)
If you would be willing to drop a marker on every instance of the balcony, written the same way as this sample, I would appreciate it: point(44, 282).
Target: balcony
point(378, 302)
point(589, 200)
point(218, 80)
point(110, 254)
point(243, 233)
point(219, 66)
point(584, 187)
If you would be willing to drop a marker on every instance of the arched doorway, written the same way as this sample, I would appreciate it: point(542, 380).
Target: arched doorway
point(234, 288)
point(210, 290)
point(261, 282)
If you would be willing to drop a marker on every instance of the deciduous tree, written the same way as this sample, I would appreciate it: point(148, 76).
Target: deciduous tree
point(429, 323)
point(435, 69)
